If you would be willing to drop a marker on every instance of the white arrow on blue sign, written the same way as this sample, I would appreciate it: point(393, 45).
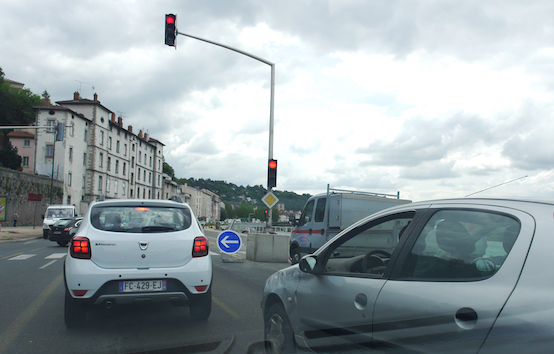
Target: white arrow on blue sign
point(229, 242)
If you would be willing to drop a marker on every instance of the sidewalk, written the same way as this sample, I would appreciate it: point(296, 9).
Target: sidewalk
point(9, 233)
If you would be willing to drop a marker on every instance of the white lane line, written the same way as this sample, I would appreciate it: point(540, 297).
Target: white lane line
point(21, 257)
point(47, 264)
point(26, 243)
point(56, 256)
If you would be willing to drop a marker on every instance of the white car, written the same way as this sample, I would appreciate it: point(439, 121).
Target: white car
point(130, 251)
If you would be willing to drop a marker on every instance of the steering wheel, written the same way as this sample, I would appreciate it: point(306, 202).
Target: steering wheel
point(373, 260)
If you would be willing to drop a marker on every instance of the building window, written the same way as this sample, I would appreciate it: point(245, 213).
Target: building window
point(150, 161)
point(71, 153)
point(132, 177)
point(101, 137)
point(84, 159)
point(51, 126)
point(101, 160)
point(125, 149)
point(69, 178)
point(49, 150)
point(109, 162)
point(115, 187)
point(85, 138)
point(116, 166)
point(140, 158)
point(26, 143)
point(117, 146)
point(132, 162)
point(123, 188)
point(107, 185)
point(138, 175)
point(100, 181)
point(149, 177)
point(124, 168)
point(25, 161)
point(110, 142)
point(84, 180)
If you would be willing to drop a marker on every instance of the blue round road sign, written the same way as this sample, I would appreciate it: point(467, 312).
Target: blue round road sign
point(229, 242)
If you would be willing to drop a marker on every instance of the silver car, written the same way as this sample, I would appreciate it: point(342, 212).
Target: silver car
point(446, 276)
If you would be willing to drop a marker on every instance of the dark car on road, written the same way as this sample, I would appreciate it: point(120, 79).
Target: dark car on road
point(63, 230)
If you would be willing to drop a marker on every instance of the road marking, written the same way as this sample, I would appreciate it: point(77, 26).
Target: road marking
point(47, 264)
point(56, 256)
point(26, 243)
point(13, 255)
point(14, 329)
point(224, 307)
point(22, 257)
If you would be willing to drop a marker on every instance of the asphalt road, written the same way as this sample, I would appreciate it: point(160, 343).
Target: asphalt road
point(31, 310)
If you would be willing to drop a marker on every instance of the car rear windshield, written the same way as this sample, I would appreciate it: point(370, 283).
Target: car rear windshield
point(63, 222)
point(59, 213)
point(142, 219)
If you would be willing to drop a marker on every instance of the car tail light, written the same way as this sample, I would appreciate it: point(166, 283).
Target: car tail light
point(200, 247)
point(68, 228)
point(79, 292)
point(201, 288)
point(80, 248)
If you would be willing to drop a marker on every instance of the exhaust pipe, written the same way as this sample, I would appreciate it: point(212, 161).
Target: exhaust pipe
point(108, 304)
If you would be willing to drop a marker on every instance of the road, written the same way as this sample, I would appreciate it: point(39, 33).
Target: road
point(31, 309)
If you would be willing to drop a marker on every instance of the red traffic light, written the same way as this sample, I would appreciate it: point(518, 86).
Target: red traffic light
point(170, 29)
point(272, 164)
point(170, 19)
point(271, 173)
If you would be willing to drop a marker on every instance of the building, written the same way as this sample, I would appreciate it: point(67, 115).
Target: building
point(97, 155)
point(24, 141)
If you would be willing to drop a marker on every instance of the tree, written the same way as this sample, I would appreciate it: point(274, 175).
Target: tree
point(244, 210)
point(9, 157)
point(230, 211)
point(168, 170)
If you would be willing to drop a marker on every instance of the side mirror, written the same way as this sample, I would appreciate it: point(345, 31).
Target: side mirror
point(307, 264)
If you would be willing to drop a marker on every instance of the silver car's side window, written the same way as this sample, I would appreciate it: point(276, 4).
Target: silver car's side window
point(368, 249)
point(461, 245)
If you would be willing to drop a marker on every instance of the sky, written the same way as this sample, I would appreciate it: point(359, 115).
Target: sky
point(432, 99)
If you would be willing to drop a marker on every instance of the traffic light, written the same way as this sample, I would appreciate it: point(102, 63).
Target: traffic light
point(272, 173)
point(266, 212)
point(170, 29)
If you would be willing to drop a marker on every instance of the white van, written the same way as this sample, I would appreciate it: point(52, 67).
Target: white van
point(55, 213)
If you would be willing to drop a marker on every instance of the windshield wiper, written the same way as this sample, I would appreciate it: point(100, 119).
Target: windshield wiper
point(154, 228)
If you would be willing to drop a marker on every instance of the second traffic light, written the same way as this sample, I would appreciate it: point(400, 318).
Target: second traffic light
point(170, 29)
point(271, 173)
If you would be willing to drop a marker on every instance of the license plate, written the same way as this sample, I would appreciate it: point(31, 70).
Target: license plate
point(57, 232)
point(142, 285)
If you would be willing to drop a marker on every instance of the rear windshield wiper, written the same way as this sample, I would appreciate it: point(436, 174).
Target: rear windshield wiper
point(154, 228)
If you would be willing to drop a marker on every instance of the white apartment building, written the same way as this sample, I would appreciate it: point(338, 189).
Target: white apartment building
point(97, 156)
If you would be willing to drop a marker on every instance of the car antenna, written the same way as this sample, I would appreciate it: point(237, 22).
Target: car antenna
point(482, 190)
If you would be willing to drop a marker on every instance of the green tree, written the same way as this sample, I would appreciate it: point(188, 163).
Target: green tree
point(244, 210)
point(168, 170)
point(230, 211)
point(9, 157)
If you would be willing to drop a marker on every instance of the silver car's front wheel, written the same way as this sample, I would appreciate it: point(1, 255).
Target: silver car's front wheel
point(278, 331)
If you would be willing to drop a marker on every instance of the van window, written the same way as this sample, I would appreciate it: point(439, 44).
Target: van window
point(320, 209)
point(307, 213)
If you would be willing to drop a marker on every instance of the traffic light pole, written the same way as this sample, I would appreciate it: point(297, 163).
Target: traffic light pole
point(271, 101)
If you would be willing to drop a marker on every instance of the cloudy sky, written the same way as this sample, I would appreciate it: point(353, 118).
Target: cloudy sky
point(430, 98)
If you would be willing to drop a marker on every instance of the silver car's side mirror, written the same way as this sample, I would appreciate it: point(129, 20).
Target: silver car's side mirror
point(307, 263)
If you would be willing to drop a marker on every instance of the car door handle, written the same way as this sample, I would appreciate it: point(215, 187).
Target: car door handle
point(361, 301)
point(466, 318)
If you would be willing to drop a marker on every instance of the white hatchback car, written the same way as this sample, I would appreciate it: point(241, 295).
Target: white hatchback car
point(131, 251)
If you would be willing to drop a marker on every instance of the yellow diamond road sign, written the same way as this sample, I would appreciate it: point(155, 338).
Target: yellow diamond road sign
point(270, 199)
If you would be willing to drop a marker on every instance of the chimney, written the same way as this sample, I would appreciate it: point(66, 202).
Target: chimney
point(46, 102)
point(145, 137)
point(96, 97)
point(113, 118)
point(120, 121)
point(130, 128)
point(76, 96)
point(140, 134)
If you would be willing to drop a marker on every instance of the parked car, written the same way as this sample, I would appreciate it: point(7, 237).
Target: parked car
point(131, 251)
point(63, 230)
point(445, 276)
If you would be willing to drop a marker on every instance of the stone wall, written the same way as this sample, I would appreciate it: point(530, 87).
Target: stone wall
point(16, 187)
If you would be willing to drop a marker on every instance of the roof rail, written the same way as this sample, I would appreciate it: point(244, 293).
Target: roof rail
point(176, 198)
point(383, 195)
